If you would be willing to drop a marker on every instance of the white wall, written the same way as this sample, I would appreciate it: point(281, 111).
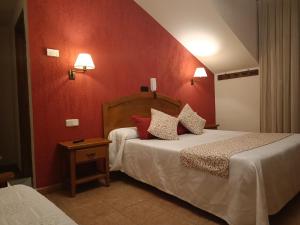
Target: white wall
point(238, 100)
point(19, 5)
point(238, 103)
point(8, 121)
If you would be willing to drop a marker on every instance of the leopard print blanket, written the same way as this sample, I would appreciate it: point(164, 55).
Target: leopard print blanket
point(214, 157)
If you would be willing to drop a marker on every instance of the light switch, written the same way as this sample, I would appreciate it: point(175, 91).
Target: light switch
point(52, 52)
point(72, 122)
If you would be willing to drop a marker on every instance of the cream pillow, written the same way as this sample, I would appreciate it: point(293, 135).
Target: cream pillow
point(191, 120)
point(163, 125)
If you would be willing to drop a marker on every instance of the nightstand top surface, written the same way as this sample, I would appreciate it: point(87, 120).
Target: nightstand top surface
point(89, 142)
point(211, 126)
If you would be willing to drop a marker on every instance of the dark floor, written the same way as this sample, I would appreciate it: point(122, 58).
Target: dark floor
point(128, 202)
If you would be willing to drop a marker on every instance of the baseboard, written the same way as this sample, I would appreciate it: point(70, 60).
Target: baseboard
point(50, 188)
point(59, 186)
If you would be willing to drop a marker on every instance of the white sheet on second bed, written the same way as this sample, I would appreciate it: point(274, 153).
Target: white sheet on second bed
point(22, 205)
point(261, 181)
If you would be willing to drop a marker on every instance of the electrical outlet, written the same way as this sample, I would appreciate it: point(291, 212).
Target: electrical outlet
point(72, 122)
point(52, 52)
point(144, 89)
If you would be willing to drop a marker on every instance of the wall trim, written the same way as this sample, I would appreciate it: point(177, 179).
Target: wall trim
point(50, 188)
point(245, 73)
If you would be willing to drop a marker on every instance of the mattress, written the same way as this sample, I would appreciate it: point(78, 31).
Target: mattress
point(260, 183)
point(22, 205)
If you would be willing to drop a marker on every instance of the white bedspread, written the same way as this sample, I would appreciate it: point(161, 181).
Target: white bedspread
point(22, 205)
point(260, 183)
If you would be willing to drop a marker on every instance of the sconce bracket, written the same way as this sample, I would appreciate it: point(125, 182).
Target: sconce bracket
point(154, 94)
point(194, 80)
point(74, 71)
point(71, 74)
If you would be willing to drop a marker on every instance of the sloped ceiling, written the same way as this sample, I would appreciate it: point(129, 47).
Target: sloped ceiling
point(221, 35)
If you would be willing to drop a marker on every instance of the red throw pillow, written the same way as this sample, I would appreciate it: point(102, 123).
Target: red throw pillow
point(142, 124)
point(181, 129)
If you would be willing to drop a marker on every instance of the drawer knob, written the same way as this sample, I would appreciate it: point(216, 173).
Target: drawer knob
point(91, 155)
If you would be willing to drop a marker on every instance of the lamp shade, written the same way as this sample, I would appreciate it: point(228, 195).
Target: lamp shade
point(84, 61)
point(200, 72)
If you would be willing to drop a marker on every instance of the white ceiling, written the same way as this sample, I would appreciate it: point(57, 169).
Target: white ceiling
point(221, 35)
point(241, 17)
point(6, 11)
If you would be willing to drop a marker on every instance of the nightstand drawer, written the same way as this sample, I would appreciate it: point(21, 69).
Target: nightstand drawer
point(90, 154)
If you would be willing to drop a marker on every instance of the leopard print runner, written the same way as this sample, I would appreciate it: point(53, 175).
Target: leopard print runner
point(214, 157)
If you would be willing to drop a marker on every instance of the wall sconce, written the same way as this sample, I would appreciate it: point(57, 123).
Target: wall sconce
point(200, 72)
point(83, 63)
point(153, 86)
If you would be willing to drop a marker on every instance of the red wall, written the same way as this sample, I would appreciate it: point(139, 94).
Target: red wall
point(128, 47)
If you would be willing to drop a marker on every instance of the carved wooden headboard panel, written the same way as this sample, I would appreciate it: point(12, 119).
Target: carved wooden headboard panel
point(117, 114)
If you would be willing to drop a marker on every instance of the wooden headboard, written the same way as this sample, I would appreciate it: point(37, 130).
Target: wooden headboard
point(117, 114)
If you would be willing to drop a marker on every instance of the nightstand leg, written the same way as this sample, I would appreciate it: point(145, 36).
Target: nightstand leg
point(107, 180)
point(65, 170)
point(73, 174)
point(107, 171)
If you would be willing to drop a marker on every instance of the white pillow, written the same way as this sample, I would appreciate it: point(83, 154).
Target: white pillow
point(191, 120)
point(118, 138)
point(126, 132)
point(163, 125)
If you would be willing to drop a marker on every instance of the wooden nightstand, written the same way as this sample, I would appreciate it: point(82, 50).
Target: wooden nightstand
point(5, 177)
point(211, 126)
point(88, 151)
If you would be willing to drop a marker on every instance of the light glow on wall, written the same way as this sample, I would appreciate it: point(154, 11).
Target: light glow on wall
point(201, 46)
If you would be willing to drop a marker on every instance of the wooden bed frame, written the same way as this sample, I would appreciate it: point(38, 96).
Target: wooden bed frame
point(117, 114)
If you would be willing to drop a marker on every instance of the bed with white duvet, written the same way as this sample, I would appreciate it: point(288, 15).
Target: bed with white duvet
point(261, 181)
point(22, 205)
